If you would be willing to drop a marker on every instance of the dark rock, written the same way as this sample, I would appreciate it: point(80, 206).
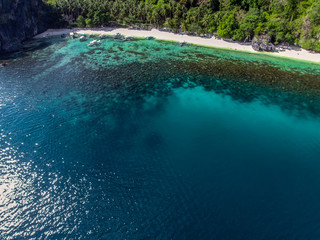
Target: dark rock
point(216, 36)
point(256, 46)
point(263, 43)
point(20, 20)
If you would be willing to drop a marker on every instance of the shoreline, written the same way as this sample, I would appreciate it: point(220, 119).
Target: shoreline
point(297, 54)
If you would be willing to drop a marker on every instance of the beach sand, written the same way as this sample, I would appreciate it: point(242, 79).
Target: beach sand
point(297, 53)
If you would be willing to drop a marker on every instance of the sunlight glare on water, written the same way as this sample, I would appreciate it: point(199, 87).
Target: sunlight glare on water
point(150, 140)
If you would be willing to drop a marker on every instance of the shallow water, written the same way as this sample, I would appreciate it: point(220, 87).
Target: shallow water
point(148, 140)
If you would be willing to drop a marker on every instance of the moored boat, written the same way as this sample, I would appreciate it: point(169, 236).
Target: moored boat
point(184, 44)
point(83, 39)
point(102, 36)
point(129, 38)
point(94, 43)
point(72, 35)
point(118, 36)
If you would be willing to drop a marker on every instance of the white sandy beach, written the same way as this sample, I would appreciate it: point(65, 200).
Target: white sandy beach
point(300, 54)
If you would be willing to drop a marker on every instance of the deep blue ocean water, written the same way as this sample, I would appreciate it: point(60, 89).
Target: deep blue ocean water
point(148, 140)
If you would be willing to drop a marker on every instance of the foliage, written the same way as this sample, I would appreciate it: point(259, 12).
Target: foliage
point(228, 25)
point(89, 22)
point(293, 21)
point(81, 22)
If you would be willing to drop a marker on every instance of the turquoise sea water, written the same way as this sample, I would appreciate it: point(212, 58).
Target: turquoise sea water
point(150, 140)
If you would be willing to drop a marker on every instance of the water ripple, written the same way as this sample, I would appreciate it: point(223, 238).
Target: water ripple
point(166, 147)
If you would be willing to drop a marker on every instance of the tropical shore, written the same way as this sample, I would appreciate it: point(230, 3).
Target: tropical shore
point(295, 53)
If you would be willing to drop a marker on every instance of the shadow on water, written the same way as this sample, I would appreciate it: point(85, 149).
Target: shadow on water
point(30, 47)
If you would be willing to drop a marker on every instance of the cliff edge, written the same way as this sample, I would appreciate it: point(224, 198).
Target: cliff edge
point(20, 20)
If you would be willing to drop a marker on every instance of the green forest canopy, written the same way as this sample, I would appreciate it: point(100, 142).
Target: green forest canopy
point(292, 21)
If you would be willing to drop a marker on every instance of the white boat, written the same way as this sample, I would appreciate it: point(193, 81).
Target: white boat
point(83, 39)
point(102, 36)
point(94, 43)
point(129, 38)
point(72, 35)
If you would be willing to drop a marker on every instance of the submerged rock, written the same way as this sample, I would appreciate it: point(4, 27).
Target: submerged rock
point(263, 43)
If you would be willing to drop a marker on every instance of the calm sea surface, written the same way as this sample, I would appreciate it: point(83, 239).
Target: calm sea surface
point(150, 140)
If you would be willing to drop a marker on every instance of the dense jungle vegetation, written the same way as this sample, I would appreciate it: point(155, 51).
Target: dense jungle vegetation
point(291, 21)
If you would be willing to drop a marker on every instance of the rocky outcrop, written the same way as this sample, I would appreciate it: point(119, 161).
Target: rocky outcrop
point(263, 43)
point(20, 20)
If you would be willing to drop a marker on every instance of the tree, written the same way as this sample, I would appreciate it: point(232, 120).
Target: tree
point(89, 22)
point(294, 21)
point(249, 23)
point(81, 22)
point(227, 25)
